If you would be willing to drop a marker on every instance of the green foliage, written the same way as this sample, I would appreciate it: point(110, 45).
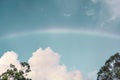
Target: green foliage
point(111, 69)
point(16, 74)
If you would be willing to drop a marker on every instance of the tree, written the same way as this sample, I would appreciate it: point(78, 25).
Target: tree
point(111, 69)
point(14, 74)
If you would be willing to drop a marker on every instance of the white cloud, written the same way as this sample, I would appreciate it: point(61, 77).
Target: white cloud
point(92, 75)
point(114, 8)
point(7, 59)
point(67, 14)
point(90, 12)
point(67, 7)
point(44, 66)
point(94, 1)
point(109, 16)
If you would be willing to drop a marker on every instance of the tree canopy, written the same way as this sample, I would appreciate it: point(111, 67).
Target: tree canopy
point(111, 69)
point(14, 74)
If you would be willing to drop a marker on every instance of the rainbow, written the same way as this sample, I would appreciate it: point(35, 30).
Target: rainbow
point(63, 31)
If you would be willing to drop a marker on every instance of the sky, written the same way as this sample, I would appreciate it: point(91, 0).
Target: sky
point(84, 33)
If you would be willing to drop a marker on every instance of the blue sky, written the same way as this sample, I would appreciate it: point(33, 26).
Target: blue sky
point(84, 32)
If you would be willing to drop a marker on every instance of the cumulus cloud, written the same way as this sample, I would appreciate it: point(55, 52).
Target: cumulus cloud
point(45, 65)
point(7, 59)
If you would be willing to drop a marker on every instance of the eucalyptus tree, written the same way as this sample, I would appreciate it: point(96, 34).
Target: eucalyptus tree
point(111, 69)
point(14, 74)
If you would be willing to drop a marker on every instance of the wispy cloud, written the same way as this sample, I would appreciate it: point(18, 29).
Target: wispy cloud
point(109, 16)
point(94, 1)
point(92, 75)
point(114, 8)
point(90, 12)
point(45, 65)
